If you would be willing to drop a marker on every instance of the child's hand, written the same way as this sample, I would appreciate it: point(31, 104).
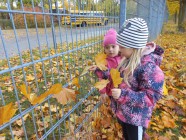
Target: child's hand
point(150, 47)
point(93, 68)
point(103, 98)
point(151, 44)
point(116, 92)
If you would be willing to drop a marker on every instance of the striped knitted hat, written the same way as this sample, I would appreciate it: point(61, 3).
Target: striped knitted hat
point(133, 33)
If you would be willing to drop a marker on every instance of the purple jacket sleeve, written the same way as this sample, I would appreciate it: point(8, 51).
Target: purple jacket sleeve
point(102, 75)
point(150, 80)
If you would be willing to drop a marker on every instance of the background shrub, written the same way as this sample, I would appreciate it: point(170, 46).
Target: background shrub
point(19, 19)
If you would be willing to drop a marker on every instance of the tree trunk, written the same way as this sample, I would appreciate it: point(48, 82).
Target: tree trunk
point(182, 13)
point(175, 17)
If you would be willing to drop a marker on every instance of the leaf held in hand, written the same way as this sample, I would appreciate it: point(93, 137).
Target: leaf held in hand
point(101, 84)
point(101, 62)
point(115, 75)
point(6, 113)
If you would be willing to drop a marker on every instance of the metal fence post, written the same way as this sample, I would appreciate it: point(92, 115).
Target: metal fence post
point(163, 13)
point(150, 19)
point(52, 24)
point(122, 15)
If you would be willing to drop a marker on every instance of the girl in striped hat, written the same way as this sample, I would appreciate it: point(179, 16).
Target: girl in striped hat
point(143, 79)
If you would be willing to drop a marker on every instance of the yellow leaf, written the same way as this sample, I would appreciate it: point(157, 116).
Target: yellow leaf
point(24, 91)
point(115, 75)
point(6, 113)
point(85, 70)
point(181, 138)
point(19, 133)
point(75, 81)
point(168, 122)
point(30, 77)
point(165, 91)
point(101, 84)
point(34, 99)
point(101, 62)
point(65, 95)
point(55, 89)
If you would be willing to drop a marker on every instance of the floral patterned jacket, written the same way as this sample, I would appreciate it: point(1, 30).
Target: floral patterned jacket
point(136, 103)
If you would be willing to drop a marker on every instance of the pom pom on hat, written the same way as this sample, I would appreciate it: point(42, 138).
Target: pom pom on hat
point(110, 37)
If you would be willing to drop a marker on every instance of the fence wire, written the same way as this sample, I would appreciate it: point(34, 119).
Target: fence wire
point(43, 42)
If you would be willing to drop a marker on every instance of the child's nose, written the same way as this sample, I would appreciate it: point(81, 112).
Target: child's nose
point(111, 49)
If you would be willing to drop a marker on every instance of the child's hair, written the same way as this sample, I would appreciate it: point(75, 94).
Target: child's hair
point(133, 34)
point(130, 64)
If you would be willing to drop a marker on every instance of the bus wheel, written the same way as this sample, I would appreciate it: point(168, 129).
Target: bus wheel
point(83, 24)
point(106, 22)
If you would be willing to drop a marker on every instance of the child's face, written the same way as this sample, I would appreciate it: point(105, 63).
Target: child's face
point(112, 50)
point(126, 52)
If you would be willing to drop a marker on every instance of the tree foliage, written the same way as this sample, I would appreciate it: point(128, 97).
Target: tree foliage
point(173, 6)
point(178, 6)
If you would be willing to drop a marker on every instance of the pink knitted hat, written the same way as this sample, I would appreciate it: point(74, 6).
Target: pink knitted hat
point(110, 37)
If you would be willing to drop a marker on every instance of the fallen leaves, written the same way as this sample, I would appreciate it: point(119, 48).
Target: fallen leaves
point(75, 81)
point(105, 125)
point(7, 112)
point(171, 109)
point(165, 90)
point(168, 122)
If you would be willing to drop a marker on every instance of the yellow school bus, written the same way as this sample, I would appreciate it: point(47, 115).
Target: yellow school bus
point(84, 18)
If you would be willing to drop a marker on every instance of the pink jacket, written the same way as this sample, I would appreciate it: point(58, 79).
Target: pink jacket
point(112, 62)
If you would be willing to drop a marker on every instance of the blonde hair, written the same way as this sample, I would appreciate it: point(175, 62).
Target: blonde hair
point(130, 64)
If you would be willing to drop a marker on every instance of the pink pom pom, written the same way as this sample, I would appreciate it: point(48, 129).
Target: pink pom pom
point(110, 37)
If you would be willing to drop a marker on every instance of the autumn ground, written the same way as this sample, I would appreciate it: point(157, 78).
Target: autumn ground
point(169, 117)
point(168, 121)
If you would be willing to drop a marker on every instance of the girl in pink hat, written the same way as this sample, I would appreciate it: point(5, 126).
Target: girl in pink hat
point(111, 49)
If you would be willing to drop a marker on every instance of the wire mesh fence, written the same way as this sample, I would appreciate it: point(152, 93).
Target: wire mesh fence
point(52, 42)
